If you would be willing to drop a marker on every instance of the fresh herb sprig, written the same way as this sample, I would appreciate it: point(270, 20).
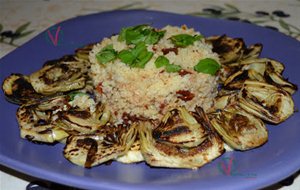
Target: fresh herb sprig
point(162, 61)
point(107, 54)
point(208, 66)
point(184, 40)
point(137, 56)
point(140, 33)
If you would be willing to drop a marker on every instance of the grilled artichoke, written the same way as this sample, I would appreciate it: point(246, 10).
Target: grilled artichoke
point(229, 49)
point(18, 90)
point(266, 101)
point(106, 144)
point(38, 126)
point(178, 127)
point(276, 79)
point(239, 129)
point(59, 76)
point(83, 121)
point(165, 154)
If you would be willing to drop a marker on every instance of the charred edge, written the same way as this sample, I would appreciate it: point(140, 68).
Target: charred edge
point(202, 118)
point(239, 122)
point(165, 135)
point(79, 114)
point(91, 155)
point(249, 50)
point(64, 70)
point(22, 92)
point(65, 58)
point(47, 131)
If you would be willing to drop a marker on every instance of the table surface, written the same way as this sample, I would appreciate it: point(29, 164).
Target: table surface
point(34, 16)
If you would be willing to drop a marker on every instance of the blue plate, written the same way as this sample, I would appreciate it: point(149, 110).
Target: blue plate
point(253, 169)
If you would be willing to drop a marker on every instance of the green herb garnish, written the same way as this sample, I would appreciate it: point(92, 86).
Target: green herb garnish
point(171, 68)
point(140, 33)
point(208, 65)
point(106, 55)
point(184, 40)
point(162, 61)
point(137, 56)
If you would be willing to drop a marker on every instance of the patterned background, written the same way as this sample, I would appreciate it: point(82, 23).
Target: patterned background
point(21, 20)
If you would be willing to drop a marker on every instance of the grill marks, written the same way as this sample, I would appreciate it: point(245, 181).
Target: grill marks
point(160, 148)
point(18, 90)
point(105, 144)
point(228, 49)
point(92, 150)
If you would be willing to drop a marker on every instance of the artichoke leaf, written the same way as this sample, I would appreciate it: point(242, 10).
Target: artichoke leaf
point(82, 54)
point(275, 78)
point(133, 155)
point(252, 51)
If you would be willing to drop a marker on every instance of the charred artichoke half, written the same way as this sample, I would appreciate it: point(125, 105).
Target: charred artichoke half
point(60, 76)
point(18, 90)
point(37, 122)
point(187, 141)
point(83, 121)
point(259, 69)
point(239, 129)
point(231, 50)
point(106, 144)
point(266, 101)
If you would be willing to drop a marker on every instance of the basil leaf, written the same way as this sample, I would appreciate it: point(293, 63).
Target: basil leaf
point(161, 61)
point(137, 56)
point(106, 55)
point(208, 66)
point(138, 49)
point(184, 40)
point(143, 59)
point(140, 33)
point(171, 68)
point(154, 37)
point(126, 57)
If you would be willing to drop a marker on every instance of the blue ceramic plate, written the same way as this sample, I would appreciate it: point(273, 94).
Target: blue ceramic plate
point(253, 169)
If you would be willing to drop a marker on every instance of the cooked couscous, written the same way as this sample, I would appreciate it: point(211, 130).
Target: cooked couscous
point(150, 91)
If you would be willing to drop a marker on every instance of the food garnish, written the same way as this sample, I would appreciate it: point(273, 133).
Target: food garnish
point(183, 40)
point(207, 65)
point(137, 56)
point(107, 54)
